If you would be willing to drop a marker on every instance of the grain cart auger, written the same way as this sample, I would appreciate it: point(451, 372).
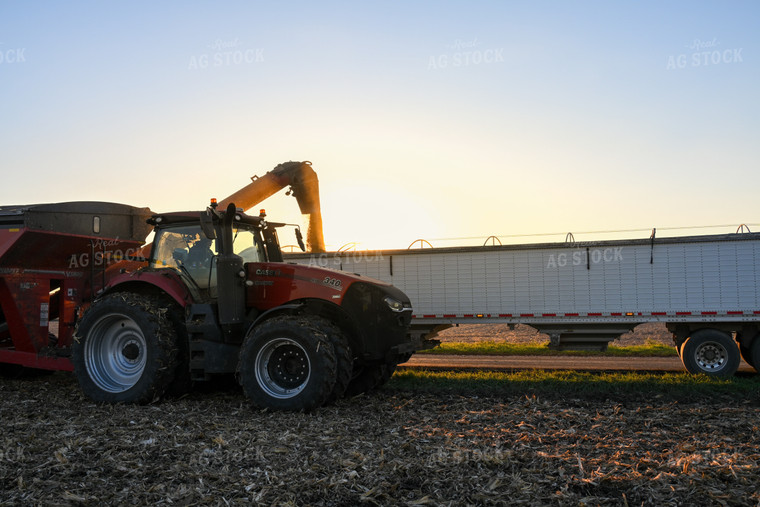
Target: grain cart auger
point(304, 186)
point(52, 259)
point(216, 298)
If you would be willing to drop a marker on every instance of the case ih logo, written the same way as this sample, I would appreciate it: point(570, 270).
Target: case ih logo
point(267, 272)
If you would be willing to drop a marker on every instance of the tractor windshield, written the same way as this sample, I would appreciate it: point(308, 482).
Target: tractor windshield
point(188, 250)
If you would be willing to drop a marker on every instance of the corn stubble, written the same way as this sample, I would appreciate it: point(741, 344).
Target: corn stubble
point(395, 447)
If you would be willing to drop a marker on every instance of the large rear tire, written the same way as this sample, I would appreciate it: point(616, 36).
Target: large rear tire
point(711, 352)
point(289, 363)
point(125, 349)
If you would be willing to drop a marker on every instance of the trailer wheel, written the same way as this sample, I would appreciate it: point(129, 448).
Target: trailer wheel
point(370, 377)
point(710, 352)
point(289, 363)
point(125, 349)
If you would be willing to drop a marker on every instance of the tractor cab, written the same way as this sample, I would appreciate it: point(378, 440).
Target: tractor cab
point(192, 243)
point(185, 248)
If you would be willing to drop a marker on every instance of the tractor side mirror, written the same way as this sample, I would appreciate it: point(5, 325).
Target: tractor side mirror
point(207, 224)
point(299, 238)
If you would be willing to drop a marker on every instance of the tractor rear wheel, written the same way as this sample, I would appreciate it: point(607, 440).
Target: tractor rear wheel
point(711, 352)
point(125, 349)
point(289, 363)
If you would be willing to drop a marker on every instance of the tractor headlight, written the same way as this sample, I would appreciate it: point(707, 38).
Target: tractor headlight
point(394, 304)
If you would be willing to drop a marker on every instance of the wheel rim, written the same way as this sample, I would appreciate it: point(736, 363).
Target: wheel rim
point(283, 368)
point(711, 356)
point(115, 353)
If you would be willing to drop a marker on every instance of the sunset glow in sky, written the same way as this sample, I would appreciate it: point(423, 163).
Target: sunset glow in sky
point(422, 119)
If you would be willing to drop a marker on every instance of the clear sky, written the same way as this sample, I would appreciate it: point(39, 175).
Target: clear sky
point(423, 119)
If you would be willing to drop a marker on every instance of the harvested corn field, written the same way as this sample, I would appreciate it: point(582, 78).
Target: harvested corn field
point(395, 447)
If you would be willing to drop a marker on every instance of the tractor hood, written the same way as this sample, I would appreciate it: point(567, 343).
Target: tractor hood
point(266, 287)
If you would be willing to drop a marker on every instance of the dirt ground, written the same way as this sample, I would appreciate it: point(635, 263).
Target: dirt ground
point(394, 447)
point(525, 334)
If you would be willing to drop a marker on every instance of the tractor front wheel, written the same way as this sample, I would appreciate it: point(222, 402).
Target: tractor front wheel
point(289, 363)
point(125, 349)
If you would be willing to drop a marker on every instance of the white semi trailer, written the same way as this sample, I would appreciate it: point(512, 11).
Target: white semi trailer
point(706, 289)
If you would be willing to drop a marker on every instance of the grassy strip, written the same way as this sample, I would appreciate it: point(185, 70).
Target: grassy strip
point(615, 385)
point(493, 348)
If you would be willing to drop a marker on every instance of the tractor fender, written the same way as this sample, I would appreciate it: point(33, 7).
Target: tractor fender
point(327, 309)
point(151, 282)
point(286, 308)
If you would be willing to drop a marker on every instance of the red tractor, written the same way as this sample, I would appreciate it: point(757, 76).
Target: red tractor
point(210, 296)
point(216, 297)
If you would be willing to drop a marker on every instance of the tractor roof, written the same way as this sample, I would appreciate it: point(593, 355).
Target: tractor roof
point(183, 217)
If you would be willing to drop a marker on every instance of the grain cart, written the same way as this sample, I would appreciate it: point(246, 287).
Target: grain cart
point(706, 289)
point(216, 297)
point(52, 259)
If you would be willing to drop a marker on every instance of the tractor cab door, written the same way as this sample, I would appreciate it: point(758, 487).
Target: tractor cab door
point(186, 249)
